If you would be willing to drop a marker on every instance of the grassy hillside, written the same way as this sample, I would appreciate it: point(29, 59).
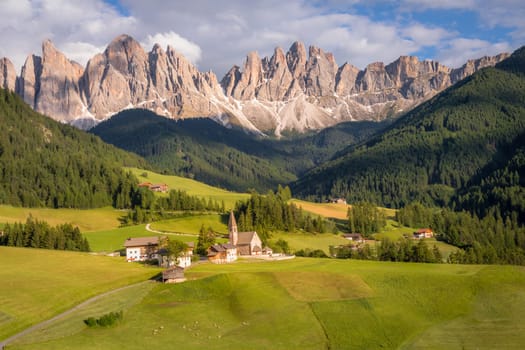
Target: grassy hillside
point(193, 148)
point(48, 164)
point(86, 219)
point(192, 187)
point(328, 210)
point(38, 283)
point(313, 304)
point(440, 147)
point(229, 158)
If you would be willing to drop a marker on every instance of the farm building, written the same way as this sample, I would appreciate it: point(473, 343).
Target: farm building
point(141, 248)
point(336, 200)
point(354, 237)
point(155, 187)
point(423, 233)
point(222, 253)
point(173, 275)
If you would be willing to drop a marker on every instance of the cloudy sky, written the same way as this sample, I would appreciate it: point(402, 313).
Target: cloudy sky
point(218, 34)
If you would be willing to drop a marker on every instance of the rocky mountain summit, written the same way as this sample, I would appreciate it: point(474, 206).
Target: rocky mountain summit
point(296, 90)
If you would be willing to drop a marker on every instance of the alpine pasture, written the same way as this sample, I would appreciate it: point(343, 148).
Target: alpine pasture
point(314, 304)
point(303, 303)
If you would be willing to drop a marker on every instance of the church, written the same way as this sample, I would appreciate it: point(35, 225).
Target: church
point(247, 243)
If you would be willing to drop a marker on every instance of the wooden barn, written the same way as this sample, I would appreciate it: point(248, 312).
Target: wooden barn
point(174, 274)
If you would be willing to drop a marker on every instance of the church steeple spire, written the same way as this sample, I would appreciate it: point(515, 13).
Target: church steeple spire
point(232, 229)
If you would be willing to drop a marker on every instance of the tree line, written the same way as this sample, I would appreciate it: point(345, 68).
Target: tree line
point(272, 212)
point(488, 240)
point(146, 207)
point(403, 250)
point(39, 234)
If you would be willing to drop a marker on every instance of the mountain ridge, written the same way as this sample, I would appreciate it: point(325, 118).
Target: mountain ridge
point(229, 158)
point(299, 90)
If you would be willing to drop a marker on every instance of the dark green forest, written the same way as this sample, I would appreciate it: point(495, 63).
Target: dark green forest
point(227, 158)
point(271, 212)
point(455, 163)
point(38, 234)
point(47, 164)
point(467, 136)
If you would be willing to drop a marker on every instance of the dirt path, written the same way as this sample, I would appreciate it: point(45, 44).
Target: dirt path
point(148, 228)
point(42, 324)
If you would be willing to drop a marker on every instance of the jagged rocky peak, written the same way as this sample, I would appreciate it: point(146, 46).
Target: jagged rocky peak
point(472, 66)
point(297, 90)
point(277, 78)
point(250, 78)
point(7, 74)
point(374, 78)
point(321, 70)
point(296, 58)
point(59, 92)
point(345, 79)
point(230, 80)
point(125, 54)
point(29, 82)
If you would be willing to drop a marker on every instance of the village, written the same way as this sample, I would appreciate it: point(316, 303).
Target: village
point(240, 244)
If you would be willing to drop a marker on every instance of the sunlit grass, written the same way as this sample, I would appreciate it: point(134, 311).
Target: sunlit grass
point(37, 283)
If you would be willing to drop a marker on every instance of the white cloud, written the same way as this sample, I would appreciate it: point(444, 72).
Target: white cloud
point(460, 50)
point(80, 52)
point(426, 36)
point(419, 5)
point(218, 34)
point(77, 27)
point(189, 49)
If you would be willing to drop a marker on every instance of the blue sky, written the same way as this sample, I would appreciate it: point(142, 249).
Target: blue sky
point(218, 34)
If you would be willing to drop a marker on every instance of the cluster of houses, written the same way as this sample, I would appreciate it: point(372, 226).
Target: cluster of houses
point(358, 239)
point(155, 187)
point(239, 244)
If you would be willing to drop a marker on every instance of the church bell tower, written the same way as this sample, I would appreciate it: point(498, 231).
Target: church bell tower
point(232, 229)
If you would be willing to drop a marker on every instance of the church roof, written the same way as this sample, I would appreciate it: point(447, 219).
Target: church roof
point(245, 237)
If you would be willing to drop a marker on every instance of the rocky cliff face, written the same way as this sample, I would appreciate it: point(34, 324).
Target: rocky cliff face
point(7, 74)
point(298, 90)
point(306, 92)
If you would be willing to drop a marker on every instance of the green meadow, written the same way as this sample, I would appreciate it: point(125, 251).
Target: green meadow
point(192, 224)
point(112, 240)
point(308, 304)
point(192, 187)
point(37, 284)
point(86, 220)
point(298, 241)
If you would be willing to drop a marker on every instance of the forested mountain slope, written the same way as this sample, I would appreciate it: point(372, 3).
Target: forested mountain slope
point(46, 163)
point(463, 137)
point(229, 158)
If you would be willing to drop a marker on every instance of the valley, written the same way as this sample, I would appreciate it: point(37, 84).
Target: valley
point(156, 194)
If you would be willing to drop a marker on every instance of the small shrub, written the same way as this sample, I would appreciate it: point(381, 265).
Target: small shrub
point(90, 322)
point(308, 253)
point(106, 320)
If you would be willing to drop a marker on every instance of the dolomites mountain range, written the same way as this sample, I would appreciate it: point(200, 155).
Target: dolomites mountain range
point(298, 90)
